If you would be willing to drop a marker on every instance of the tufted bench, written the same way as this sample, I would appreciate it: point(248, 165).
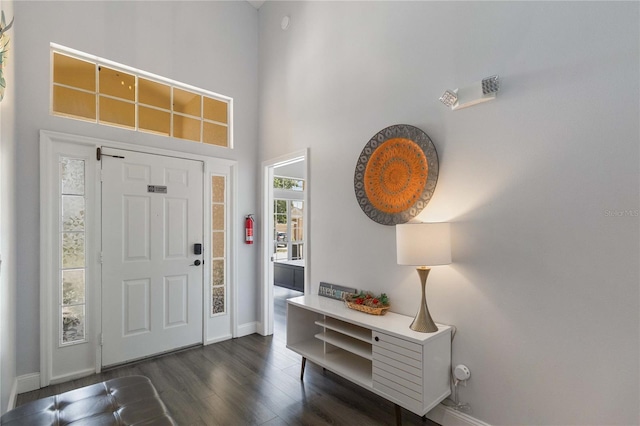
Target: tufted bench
point(124, 401)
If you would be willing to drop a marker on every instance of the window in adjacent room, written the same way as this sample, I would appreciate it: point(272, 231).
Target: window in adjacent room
point(288, 218)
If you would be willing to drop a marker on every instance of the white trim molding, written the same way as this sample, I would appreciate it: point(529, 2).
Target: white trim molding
point(13, 395)
point(265, 324)
point(28, 382)
point(447, 416)
point(218, 339)
point(247, 329)
point(72, 376)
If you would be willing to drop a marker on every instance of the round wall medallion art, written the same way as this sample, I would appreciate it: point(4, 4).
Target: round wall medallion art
point(396, 174)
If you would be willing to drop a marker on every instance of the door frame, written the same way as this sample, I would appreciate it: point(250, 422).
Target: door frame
point(266, 289)
point(47, 141)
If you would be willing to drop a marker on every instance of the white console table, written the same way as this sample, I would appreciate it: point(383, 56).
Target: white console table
point(379, 353)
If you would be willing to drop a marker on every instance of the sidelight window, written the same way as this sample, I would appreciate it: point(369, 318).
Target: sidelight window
point(72, 265)
point(218, 246)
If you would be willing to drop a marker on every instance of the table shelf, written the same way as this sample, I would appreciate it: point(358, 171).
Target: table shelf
point(346, 328)
point(346, 364)
point(349, 344)
point(366, 349)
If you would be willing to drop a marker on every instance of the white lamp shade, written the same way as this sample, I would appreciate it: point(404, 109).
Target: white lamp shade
point(423, 244)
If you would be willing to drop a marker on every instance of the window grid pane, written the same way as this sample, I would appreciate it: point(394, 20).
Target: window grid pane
point(215, 134)
point(74, 103)
point(73, 288)
point(73, 72)
point(73, 323)
point(186, 127)
point(72, 249)
point(72, 176)
point(154, 94)
point(215, 110)
point(185, 102)
point(116, 112)
point(217, 185)
point(218, 245)
point(72, 213)
point(117, 83)
point(217, 222)
point(288, 220)
point(281, 182)
point(154, 120)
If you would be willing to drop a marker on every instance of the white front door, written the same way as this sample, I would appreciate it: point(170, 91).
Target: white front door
point(152, 288)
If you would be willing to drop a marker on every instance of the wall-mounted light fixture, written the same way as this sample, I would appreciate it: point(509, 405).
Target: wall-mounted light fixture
point(481, 91)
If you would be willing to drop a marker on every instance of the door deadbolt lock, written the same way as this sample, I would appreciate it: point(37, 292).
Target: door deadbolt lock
point(197, 262)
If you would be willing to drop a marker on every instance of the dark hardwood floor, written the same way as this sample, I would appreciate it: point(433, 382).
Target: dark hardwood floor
point(253, 380)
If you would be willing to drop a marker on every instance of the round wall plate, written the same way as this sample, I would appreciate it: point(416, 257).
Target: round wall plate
point(396, 174)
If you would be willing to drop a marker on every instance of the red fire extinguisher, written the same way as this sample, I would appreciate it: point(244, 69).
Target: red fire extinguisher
point(248, 229)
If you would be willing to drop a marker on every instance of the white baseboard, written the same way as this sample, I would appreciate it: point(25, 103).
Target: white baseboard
point(13, 395)
point(76, 375)
point(447, 416)
point(247, 329)
point(261, 329)
point(28, 382)
point(217, 339)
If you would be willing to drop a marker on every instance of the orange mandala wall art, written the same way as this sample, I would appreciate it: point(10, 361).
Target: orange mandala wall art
point(396, 174)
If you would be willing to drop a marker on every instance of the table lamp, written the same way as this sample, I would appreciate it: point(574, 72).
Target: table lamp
point(423, 245)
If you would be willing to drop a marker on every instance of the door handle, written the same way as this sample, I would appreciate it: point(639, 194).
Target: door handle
point(196, 263)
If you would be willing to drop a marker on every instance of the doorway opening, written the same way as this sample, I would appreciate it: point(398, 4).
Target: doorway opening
point(285, 237)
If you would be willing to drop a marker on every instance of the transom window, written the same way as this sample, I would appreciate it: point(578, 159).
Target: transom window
point(101, 91)
point(289, 184)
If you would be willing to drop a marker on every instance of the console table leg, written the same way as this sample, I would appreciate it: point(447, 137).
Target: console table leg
point(304, 363)
point(398, 415)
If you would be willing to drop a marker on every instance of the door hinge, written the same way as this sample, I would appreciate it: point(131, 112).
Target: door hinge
point(100, 258)
point(101, 337)
point(100, 154)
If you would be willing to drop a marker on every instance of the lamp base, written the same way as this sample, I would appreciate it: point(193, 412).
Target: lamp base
point(423, 322)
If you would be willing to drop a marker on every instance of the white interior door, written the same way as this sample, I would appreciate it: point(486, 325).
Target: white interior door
point(152, 282)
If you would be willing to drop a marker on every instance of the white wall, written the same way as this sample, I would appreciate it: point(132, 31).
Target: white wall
point(212, 45)
point(544, 284)
point(8, 143)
